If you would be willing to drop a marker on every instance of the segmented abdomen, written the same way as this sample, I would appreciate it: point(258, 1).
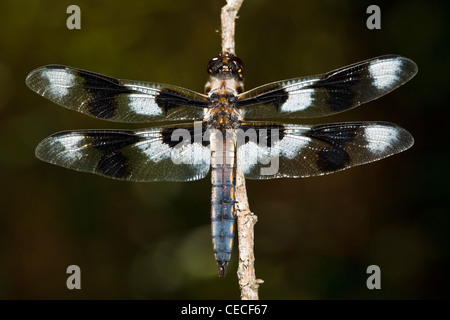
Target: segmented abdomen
point(223, 178)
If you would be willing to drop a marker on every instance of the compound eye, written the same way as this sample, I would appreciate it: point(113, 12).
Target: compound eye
point(238, 65)
point(211, 64)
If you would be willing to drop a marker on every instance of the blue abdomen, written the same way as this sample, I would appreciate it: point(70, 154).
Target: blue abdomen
point(223, 177)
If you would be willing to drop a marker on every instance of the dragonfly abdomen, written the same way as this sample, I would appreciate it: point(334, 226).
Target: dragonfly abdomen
point(223, 179)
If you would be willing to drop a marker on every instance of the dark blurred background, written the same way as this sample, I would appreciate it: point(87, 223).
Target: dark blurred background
point(315, 237)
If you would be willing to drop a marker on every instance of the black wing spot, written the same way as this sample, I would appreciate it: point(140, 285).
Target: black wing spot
point(333, 134)
point(274, 95)
point(172, 140)
point(340, 86)
point(266, 135)
point(334, 157)
point(169, 138)
point(278, 98)
point(113, 163)
point(104, 90)
point(168, 99)
point(116, 140)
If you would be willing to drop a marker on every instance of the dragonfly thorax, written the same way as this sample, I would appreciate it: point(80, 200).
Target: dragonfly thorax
point(223, 116)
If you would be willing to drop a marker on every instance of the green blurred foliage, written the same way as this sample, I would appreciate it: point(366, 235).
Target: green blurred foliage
point(315, 237)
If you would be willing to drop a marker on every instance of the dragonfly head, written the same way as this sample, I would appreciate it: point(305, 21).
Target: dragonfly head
point(226, 66)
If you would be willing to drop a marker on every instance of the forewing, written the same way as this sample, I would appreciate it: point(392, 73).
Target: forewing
point(294, 151)
point(116, 100)
point(169, 153)
point(329, 93)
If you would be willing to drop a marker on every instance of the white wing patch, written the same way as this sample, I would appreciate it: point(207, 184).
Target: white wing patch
point(379, 138)
point(385, 73)
point(154, 149)
point(291, 145)
point(252, 154)
point(60, 81)
point(186, 153)
point(298, 99)
point(71, 147)
point(247, 155)
point(193, 153)
point(144, 105)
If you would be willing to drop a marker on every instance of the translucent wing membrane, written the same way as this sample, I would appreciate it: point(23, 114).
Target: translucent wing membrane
point(293, 151)
point(169, 153)
point(329, 93)
point(115, 100)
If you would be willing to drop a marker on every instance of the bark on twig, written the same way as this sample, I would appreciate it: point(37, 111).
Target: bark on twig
point(245, 218)
point(228, 17)
point(246, 222)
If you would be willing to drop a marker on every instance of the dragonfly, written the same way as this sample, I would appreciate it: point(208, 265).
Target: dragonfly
point(226, 130)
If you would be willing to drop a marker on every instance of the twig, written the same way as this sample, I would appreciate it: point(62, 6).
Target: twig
point(228, 17)
point(245, 218)
point(246, 222)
